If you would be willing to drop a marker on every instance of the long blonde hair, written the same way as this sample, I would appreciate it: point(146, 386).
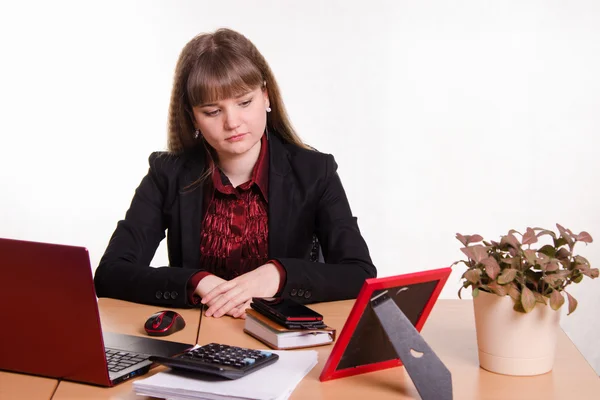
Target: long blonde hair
point(216, 66)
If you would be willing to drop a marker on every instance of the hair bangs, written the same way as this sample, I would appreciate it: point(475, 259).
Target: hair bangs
point(221, 76)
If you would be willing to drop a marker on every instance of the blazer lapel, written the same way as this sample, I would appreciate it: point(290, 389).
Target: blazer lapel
point(281, 192)
point(191, 213)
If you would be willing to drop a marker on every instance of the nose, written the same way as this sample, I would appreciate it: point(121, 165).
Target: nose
point(232, 120)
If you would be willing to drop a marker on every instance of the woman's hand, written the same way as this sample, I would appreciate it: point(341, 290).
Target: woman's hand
point(207, 284)
point(234, 296)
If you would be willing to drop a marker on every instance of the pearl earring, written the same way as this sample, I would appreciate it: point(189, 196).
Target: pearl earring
point(268, 109)
point(196, 133)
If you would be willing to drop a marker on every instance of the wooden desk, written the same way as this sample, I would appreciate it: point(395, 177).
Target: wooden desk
point(450, 331)
point(20, 386)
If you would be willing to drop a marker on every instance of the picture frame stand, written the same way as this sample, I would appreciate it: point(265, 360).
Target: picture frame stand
point(428, 373)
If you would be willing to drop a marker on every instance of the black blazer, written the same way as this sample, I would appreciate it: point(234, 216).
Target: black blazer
point(306, 197)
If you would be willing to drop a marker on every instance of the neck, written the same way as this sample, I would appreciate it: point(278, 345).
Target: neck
point(238, 167)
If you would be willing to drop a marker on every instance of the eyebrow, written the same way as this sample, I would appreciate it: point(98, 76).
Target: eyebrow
point(215, 104)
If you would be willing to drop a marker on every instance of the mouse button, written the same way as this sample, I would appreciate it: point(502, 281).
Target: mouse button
point(157, 321)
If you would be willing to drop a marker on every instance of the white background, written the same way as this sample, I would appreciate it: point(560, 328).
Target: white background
point(466, 116)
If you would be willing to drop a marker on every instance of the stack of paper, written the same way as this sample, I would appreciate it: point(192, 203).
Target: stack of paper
point(274, 382)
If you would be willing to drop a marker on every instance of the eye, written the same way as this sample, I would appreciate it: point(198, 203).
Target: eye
point(213, 113)
point(246, 103)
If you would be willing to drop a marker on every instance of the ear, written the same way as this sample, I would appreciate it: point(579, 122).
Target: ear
point(265, 93)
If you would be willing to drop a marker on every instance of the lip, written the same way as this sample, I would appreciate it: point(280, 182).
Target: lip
point(235, 138)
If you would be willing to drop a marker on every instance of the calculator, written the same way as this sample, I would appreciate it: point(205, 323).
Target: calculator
point(226, 361)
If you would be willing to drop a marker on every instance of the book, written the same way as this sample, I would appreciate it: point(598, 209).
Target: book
point(274, 382)
point(279, 337)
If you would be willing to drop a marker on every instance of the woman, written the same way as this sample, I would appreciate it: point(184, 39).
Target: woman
point(240, 196)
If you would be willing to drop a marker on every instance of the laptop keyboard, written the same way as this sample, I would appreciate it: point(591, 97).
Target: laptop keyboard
point(119, 360)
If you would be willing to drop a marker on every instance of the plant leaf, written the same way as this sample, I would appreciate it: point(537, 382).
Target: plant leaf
point(561, 229)
point(527, 299)
point(556, 300)
point(475, 253)
point(552, 265)
point(518, 307)
point(513, 291)
point(556, 278)
point(581, 260)
point(475, 292)
point(572, 303)
point(512, 262)
point(492, 269)
point(562, 254)
point(584, 237)
point(543, 232)
point(466, 239)
point(566, 234)
point(587, 271)
point(539, 298)
point(507, 276)
point(543, 258)
point(529, 237)
point(530, 256)
point(497, 289)
point(473, 275)
point(548, 250)
point(511, 240)
point(561, 241)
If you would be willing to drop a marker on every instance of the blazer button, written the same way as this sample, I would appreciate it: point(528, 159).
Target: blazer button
point(293, 292)
point(307, 294)
point(167, 296)
point(173, 295)
point(300, 292)
point(158, 294)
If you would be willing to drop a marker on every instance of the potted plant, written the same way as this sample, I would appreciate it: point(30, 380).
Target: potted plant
point(518, 291)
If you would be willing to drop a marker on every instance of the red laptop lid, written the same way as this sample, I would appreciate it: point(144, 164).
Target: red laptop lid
point(49, 324)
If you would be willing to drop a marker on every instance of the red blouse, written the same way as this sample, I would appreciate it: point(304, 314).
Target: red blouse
point(235, 230)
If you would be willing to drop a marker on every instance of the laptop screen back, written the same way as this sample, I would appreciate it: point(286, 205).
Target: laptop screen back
point(49, 322)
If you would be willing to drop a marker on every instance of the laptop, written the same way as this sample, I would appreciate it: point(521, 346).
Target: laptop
point(49, 320)
point(363, 345)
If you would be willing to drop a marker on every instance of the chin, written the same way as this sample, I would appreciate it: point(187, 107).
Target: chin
point(240, 147)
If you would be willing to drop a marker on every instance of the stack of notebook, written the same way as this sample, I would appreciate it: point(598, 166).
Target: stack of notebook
point(275, 382)
point(279, 337)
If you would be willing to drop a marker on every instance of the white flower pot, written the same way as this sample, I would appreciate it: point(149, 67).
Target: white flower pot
point(514, 343)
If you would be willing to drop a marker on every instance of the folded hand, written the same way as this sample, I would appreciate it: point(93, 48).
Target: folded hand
point(234, 296)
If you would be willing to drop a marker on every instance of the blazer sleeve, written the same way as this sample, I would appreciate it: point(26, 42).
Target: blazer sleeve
point(347, 260)
point(124, 271)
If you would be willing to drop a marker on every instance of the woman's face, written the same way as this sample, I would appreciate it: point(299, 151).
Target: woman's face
point(233, 126)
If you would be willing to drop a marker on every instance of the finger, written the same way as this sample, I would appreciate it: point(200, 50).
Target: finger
point(210, 304)
point(226, 302)
point(233, 304)
point(227, 308)
point(240, 312)
point(217, 291)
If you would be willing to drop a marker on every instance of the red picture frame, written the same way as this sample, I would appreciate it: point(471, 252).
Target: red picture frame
point(416, 295)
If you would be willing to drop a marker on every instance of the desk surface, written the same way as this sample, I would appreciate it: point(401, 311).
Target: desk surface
point(450, 331)
point(20, 386)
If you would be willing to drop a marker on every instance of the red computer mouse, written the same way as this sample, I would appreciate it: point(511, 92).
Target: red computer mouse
point(164, 323)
